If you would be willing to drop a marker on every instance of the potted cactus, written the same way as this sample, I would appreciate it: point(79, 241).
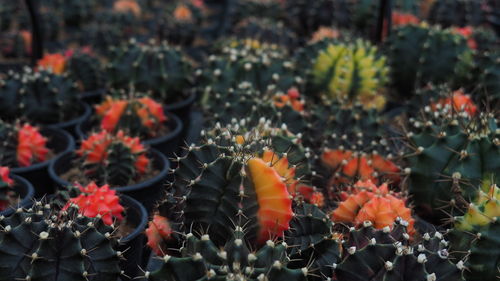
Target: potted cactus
point(137, 116)
point(42, 97)
point(63, 243)
point(14, 191)
point(115, 159)
point(125, 214)
point(28, 151)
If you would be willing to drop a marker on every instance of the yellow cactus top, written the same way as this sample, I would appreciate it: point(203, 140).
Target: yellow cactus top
point(352, 72)
point(483, 211)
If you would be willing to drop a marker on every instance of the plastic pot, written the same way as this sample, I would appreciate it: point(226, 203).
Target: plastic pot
point(25, 191)
point(60, 142)
point(70, 126)
point(133, 244)
point(183, 110)
point(147, 192)
point(93, 97)
point(167, 144)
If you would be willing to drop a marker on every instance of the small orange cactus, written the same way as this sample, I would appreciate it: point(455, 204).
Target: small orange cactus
point(31, 146)
point(98, 201)
point(157, 231)
point(55, 62)
point(183, 13)
point(292, 98)
point(127, 6)
point(459, 101)
point(367, 202)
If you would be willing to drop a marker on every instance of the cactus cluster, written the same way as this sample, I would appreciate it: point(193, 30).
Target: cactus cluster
point(116, 159)
point(42, 244)
point(86, 70)
point(21, 145)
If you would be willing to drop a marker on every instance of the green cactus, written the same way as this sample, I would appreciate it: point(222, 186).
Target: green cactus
point(311, 238)
point(201, 259)
point(86, 70)
point(160, 70)
point(265, 67)
point(487, 76)
point(354, 73)
point(419, 54)
point(388, 255)
point(41, 97)
point(456, 13)
point(41, 244)
point(475, 235)
point(265, 9)
point(452, 153)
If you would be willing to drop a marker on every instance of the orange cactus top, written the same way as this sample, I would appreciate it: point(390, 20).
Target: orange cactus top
point(183, 13)
point(158, 229)
point(5, 176)
point(31, 146)
point(55, 62)
point(364, 167)
point(275, 203)
point(459, 101)
point(96, 201)
point(111, 110)
point(125, 6)
point(367, 202)
point(95, 149)
point(292, 98)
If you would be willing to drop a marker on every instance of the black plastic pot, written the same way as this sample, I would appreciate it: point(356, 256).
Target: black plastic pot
point(25, 191)
point(147, 192)
point(183, 110)
point(70, 126)
point(167, 144)
point(60, 142)
point(133, 244)
point(93, 97)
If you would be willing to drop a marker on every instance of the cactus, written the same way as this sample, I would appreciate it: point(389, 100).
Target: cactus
point(6, 184)
point(181, 23)
point(85, 69)
point(456, 13)
point(15, 45)
point(264, 9)
point(21, 145)
point(40, 97)
point(115, 159)
point(157, 69)
point(94, 201)
point(487, 76)
point(127, 7)
point(475, 236)
point(419, 54)
point(373, 254)
point(42, 244)
point(230, 181)
point(201, 259)
point(450, 155)
point(352, 73)
point(364, 202)
point(136, 116)
point(265, 67)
